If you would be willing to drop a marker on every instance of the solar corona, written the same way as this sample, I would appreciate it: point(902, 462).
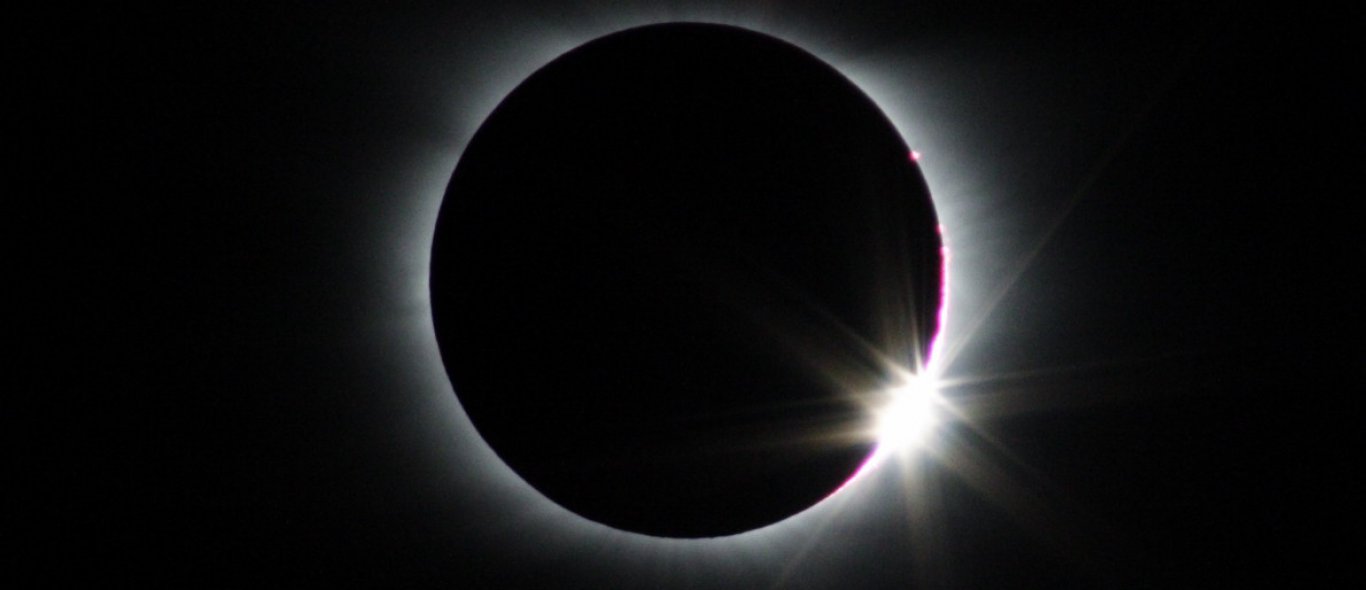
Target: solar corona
point(685, 281)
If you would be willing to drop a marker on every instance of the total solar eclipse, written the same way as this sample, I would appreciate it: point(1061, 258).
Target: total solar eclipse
point(673, 269)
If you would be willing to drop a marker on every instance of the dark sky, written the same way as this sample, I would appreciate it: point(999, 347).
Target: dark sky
point(228, 335)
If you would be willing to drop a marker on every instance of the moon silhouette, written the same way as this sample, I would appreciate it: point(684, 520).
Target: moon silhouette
point(669, 270)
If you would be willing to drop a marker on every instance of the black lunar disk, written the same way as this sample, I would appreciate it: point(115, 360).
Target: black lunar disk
point(668, 271)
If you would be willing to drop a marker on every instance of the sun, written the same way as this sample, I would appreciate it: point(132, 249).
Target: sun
point(908, 415)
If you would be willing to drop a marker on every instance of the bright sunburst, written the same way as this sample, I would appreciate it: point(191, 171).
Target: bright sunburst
point(907, 417)
point(910, 413)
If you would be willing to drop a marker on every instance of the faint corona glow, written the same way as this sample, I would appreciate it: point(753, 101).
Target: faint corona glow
point(920, 93)
point(906, 96)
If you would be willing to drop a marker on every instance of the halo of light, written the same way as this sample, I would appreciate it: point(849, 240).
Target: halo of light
point(419, 182)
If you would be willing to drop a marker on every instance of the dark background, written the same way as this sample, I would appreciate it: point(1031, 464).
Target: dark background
point(223, 319)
